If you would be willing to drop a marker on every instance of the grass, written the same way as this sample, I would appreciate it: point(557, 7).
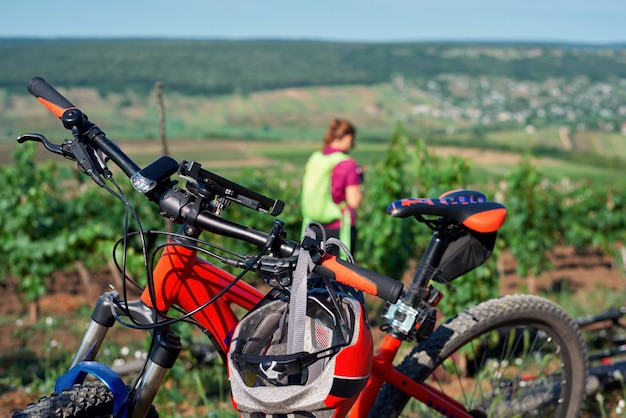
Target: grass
point(586, 302)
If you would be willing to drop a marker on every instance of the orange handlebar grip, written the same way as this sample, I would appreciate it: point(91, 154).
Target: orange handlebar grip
point(360, 278)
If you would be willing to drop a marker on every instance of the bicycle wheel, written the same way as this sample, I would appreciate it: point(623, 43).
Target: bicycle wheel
point(518, 355)
point(88, 400)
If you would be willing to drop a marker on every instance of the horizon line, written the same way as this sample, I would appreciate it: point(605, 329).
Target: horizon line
point(308, 39)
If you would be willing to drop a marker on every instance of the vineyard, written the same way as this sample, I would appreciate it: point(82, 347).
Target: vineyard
point(46, 205)
point(49, 214)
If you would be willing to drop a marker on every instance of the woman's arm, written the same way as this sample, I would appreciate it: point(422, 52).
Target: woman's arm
point(354, 195)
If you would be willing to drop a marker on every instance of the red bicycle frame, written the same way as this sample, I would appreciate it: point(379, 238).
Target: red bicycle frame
point(184, 279)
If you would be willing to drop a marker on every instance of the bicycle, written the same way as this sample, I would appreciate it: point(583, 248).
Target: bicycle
point(518, 354)
point(605, 337)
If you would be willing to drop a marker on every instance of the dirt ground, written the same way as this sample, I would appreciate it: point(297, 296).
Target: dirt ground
point(578, 273)
point(573, 272)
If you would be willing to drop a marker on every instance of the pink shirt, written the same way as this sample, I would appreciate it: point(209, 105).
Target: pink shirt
point(346, 173)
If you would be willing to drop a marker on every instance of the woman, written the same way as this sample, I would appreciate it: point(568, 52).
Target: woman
point(331, 187)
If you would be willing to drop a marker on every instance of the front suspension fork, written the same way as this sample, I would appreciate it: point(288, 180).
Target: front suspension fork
point(164, 352)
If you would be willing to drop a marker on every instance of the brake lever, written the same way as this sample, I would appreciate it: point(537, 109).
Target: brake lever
point(86, 158)
point(72, 150)
point(54, 148)
point(278, 269)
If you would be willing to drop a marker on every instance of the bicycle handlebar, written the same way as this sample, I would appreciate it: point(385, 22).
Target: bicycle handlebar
point(178, 205)
point(612, 314)
point(49, 97)
point(360, 278)
point(73, 118)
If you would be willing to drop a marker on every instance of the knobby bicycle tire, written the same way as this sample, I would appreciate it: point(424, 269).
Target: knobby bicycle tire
point(523, 327)
point(88, 400)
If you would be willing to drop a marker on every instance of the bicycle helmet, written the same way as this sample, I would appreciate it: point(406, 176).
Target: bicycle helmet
point(324, 380)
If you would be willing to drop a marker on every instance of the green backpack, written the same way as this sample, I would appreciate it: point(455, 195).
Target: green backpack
point(317, 201)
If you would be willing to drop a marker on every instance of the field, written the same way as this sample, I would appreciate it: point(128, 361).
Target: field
point(274, 132)
point(231, 156)
point(302, 114)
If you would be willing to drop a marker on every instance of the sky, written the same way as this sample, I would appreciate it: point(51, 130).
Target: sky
point(579, 21)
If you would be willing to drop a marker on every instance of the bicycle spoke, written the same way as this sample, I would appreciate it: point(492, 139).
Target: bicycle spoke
point(504, 372)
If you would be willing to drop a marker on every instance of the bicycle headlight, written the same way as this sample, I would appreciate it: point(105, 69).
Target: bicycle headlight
point(142, 184)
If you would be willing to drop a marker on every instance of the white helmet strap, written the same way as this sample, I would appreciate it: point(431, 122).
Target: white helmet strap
point(297, 299)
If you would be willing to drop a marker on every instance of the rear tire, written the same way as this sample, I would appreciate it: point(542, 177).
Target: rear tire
point(518, 355)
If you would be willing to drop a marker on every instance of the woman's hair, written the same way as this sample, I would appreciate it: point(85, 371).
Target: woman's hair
point(337, 129)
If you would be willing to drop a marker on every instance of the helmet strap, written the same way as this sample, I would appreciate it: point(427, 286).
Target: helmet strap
point(297, 298)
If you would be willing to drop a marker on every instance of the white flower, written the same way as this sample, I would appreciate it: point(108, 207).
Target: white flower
point(620, 407)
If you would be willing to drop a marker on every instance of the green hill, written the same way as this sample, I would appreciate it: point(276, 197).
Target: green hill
point(559, 100)
point(208, 67)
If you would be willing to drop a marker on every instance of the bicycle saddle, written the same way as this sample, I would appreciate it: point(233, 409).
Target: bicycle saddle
point(469, 207)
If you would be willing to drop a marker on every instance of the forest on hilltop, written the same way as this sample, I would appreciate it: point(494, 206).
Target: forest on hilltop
point(214, 67)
